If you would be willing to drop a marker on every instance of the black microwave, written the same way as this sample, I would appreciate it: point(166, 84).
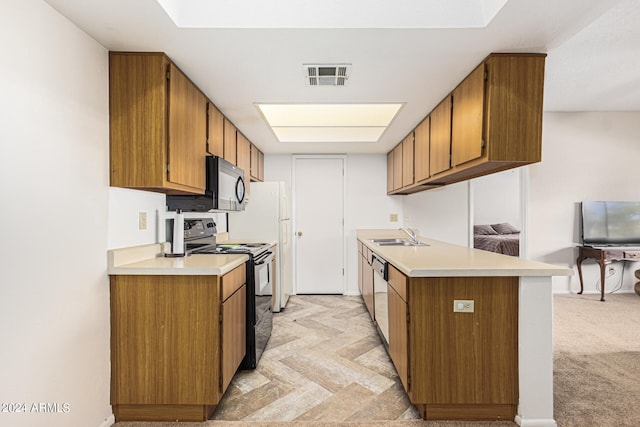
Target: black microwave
point(225, 190)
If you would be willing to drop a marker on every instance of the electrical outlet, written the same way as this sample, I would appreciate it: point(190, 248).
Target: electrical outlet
point(142, 220)
point(463, 306)
point(393, 217)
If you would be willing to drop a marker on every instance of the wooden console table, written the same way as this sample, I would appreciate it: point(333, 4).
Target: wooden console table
point(604, 256)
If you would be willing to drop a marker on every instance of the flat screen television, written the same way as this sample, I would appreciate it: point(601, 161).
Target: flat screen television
point(610, 223)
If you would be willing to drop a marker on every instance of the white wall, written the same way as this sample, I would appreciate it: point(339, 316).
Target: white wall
point(125, 205)
point(441, 214)
point(367, 204)
point(586, 156)
point(54, 297)
point(278, 167)
point(496, 198)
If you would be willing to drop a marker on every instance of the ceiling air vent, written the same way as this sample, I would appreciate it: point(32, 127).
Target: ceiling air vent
point(327, 74)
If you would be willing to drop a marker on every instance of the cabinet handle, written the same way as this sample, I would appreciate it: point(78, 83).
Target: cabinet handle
point(299, 233)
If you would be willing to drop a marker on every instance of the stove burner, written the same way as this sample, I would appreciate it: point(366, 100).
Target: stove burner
point(231, 248)
point(195, 246)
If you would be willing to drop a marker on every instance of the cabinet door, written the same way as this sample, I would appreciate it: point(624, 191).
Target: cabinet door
point(215, 131)
point(397, 167)
point(137, 114)
point(467, 118)
point(398, 343)
point(367, 283)
point(164, 335)
point(390, 186)
point(260, 166)
point(464, 358)
point(243, 158)
point(255, 171)
point(187, 131)
point(515, 89)
point(407, 160)
point(440, 137)
point(421, 151)
point(230, 139)
point(233, 337)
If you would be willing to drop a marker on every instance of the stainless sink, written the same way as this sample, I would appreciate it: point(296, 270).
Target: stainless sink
point(387, 241)
point(396, 242)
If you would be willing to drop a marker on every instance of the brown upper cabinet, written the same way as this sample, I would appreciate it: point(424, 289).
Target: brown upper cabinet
point(390, 187)
point(407, 160)
point(257, 164)
point(466, 123)
point(440, 138)
point(243, 157)
point(253, 168)
point(157, 125)
point(492, 121)
point(421, 150)
point(397, 167)
point(390, 164)
point(215, 131)
point(230, 142)
point(260, 166)
point(509, 132)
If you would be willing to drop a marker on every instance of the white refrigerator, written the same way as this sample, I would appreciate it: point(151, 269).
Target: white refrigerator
point(267, 218)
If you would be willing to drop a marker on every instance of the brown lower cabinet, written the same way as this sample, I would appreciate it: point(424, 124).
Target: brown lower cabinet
point(367, 282)
point(398, 323)
point(453, 365)
point(176, 342)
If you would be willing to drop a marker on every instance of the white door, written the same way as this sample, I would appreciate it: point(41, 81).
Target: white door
point(318, 187)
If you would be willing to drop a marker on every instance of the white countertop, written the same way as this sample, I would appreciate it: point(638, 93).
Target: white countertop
point(149, 260)
point(441, 259)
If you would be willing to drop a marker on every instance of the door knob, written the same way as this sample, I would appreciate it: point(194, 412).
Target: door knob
point(299, 233)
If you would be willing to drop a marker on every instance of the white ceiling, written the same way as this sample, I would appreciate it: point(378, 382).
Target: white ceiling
point(593, 58)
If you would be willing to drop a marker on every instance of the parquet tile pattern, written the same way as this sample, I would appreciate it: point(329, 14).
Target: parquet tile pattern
point(325, 362)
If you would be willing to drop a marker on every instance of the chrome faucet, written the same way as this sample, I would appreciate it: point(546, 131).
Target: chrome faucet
point(410, 233)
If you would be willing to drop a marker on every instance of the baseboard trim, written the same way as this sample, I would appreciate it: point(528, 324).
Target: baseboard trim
point(109, 421)
point(535, 422)
point(472, 412)
point(619, 291)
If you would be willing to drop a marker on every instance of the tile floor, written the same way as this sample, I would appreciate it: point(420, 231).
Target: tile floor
point(324, 361)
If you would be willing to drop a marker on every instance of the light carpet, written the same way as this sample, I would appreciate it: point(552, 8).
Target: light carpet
point(597, 360)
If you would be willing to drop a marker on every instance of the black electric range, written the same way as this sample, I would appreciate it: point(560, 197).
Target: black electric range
point(200, 239)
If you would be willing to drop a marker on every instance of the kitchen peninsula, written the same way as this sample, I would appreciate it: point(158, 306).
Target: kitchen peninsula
point(178, 331)
point(469, 331)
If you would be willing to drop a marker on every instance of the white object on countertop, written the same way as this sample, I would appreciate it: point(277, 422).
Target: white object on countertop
point(177, 247)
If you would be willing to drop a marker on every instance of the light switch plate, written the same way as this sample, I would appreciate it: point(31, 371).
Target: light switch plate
point(463, 306)
point(142, 220)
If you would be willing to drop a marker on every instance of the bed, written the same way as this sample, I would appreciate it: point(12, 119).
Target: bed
point(501, 238)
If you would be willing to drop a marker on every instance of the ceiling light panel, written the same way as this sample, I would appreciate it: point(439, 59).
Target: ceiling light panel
point(342, 115)
point(328, 122)
point(328, 134)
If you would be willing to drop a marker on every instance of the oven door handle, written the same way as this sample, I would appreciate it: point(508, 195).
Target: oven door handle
point(264, 258)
